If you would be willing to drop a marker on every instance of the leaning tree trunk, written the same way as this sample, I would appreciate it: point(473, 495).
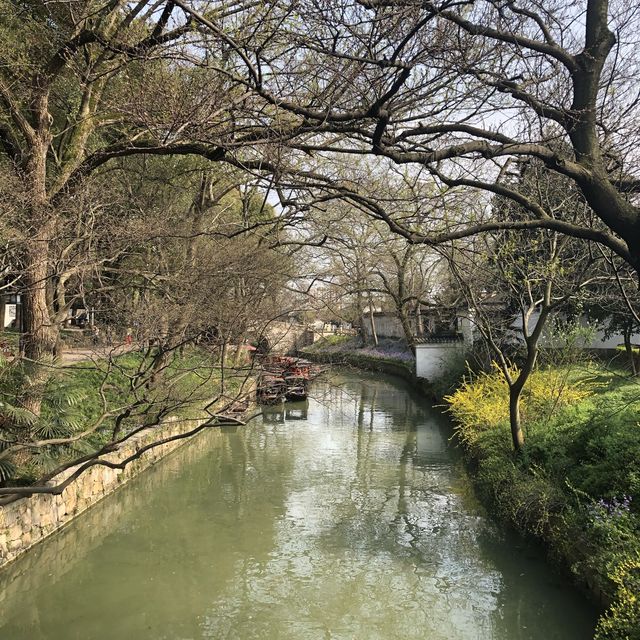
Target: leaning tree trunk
point(516, 387)
point(372, 320)
point(406, 326)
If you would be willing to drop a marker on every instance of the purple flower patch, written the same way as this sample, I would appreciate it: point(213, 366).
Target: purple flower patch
point(612, 508)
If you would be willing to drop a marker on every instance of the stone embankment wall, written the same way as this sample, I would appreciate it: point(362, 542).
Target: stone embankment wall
point(27, 521)
point(65, 552)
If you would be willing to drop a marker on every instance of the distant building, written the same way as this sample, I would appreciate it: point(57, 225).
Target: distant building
point(10, 310)
point(387, 325)
point(444, 335)
point(430, 321)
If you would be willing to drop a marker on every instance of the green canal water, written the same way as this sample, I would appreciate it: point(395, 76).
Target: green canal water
point(345, 517)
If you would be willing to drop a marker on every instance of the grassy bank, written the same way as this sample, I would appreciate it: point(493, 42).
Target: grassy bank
point(90, 403)
point(577, 485)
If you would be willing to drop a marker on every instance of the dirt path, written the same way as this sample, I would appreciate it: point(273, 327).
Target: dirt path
point(79, 354)
point(99, 352)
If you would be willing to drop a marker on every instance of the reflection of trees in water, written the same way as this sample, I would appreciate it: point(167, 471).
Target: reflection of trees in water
point(254, 469)
point(403, 515)
point(380, 486)
point(64, 551)
point(393, 397)
point(363, 442)
point(532, 595)
point(444, 537)
point(263, 528)
point(397, 510)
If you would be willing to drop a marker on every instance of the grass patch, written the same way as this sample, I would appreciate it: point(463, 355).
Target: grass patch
point(92, 403)
point(334, 342)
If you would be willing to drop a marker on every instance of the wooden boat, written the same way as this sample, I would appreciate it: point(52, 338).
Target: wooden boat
point(271, 389)
point(296, 386)
point(285, 377)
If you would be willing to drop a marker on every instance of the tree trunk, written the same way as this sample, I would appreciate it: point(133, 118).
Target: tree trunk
point(372, 320)
point(40, 335)
point(406, 326)
point(399, 298)
point(517, 435)
point(628, 347)
point(360, 312)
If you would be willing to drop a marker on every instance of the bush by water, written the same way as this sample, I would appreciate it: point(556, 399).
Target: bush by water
point(576, 486)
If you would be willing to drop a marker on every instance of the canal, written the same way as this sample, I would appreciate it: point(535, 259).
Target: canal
point(345, 517)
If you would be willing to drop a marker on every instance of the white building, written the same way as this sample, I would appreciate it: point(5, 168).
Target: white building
point(435, 355)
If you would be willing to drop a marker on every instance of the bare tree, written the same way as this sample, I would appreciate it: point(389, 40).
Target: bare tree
point(513, 289)
point(463, 88)
point(86, 83)
point(179, 281)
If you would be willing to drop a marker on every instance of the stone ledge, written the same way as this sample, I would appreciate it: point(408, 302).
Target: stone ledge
point(28, 521)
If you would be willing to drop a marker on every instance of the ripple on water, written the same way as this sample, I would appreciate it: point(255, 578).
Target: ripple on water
point(354, 523)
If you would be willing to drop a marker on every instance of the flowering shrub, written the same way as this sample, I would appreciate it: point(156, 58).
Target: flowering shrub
point(481, 402)
point(390, 350)
point(622, 620)
point(612, 508)
point(613, 526)
point(396, 350)
point(576, 483)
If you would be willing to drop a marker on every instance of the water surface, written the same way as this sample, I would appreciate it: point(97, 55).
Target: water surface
point(347, 517)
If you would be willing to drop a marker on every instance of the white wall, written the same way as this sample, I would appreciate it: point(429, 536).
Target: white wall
point(387, 326)
point(597, 341)
point(9, 315)
point(434, 359)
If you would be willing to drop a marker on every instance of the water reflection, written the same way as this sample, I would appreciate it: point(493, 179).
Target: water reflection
point(342, 517)
point(281, 413)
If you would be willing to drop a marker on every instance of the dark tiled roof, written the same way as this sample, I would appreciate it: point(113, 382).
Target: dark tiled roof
point(435, 339)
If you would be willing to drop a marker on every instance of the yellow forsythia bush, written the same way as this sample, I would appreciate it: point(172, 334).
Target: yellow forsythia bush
point(622, 621)
point(481, 402)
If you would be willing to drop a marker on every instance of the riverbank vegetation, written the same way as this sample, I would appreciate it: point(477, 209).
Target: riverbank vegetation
point(387, 350)
point(182, 174)
point(576, 485)
point(152, 321)
point(90, 406)
point(389, 356)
